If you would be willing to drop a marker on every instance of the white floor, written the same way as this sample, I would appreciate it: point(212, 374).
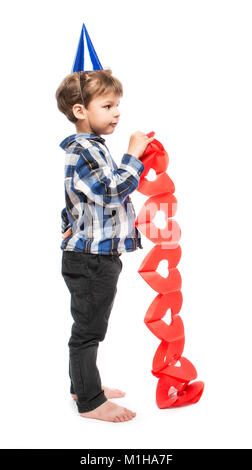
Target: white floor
point(38, 412)
point(49, 420)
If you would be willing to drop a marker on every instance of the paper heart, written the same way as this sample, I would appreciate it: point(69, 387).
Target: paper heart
point(171, 393)
point(165, 202)
point(156, 254)
point(190, 394)
point(167, 391)
point(171, 233)
point(148, 267)
point(162, 303)
point(159, 284)
point(155, 156)
point(151, 188)
point(185, 372)
point(169, 333)
point(167, 353)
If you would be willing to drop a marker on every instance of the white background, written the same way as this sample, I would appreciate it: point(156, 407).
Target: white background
point(186, 71)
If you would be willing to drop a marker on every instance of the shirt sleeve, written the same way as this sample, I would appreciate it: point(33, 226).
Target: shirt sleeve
point(65, 224)
point(107, 187)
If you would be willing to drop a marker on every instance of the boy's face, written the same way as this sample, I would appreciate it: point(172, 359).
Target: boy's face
point(100, 117)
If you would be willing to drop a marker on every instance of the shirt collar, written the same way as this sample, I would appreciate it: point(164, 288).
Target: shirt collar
point(66, 142)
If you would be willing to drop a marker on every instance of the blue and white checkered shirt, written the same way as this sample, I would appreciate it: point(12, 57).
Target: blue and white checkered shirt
point(98, 207)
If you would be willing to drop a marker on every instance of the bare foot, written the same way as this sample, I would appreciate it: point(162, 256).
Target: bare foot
point(112, 392)
point(109, 411)
point(109, 393)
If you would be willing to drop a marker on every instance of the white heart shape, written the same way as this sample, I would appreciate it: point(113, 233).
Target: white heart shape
point(151, 176)
point(159, 220)
point(178, 364)
point(162, 268)
point(168, 317)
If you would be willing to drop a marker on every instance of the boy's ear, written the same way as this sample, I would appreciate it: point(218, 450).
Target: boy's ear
point(79, 111)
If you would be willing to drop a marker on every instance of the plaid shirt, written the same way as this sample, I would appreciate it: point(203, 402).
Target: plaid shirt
point(98, 206)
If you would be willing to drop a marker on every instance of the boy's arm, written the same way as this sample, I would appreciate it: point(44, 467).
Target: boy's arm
point(104, 186)
point(65, 224)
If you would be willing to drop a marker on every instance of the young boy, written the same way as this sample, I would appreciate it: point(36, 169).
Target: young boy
point(98, 224)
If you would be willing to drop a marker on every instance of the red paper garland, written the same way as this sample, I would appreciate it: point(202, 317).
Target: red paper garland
point(173, 371)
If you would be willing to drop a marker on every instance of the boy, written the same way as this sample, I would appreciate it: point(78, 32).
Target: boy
point(98, 226)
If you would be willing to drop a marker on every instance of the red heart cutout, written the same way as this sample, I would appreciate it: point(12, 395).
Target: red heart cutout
point(172, 283)
point(150, 263)
point(172, 332)
point(158, 253)
point(170, 393)
point(158, 163)
point(167, 353)
point(169, 236)
point(155, 156)
point(185, 372)
point(162, 303)
point(150, 188)
point(167, 203)
point(167, 391)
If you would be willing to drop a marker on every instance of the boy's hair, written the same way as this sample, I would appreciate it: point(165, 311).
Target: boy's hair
point(82, 87)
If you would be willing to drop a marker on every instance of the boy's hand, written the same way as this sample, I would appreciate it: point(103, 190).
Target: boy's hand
point(67, 233)
point(138, 143)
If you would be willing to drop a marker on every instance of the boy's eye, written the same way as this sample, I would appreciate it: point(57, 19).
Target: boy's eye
point(109, 106)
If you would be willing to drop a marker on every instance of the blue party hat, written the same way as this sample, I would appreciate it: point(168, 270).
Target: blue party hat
point(81, 60)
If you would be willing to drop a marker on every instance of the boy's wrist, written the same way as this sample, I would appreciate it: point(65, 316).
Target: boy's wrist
point(134, 154)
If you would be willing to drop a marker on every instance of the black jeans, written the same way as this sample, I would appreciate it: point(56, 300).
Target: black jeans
point(92, 280)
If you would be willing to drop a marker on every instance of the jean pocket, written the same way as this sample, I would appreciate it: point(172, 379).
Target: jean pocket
point(74, 256)
point(74, 265)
